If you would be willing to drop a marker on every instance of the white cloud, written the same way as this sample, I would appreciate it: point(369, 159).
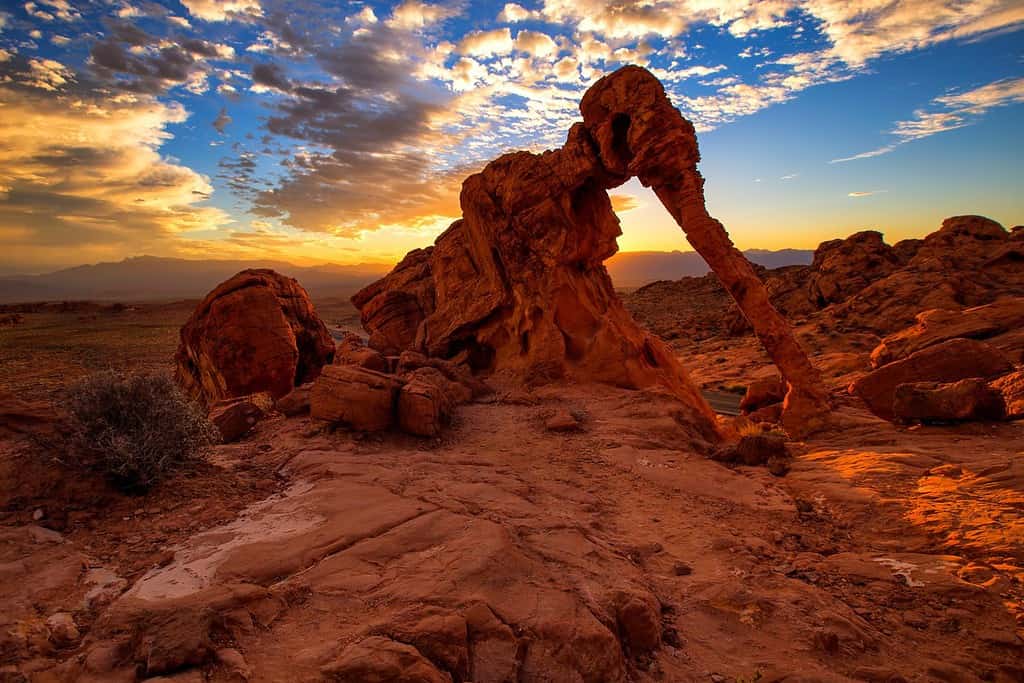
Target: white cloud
point(486, 43)
point(48, 74)
point(513, 13)
point(223, 10)
point(536, 43)
point(948, 112)
point(858, 195)
point(412, 15)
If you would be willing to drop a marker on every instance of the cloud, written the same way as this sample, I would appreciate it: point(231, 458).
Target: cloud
point(270, 77)
point(790, 176)
point(858, 195)
point(222, 120)
point(622, 203)
point(130, 59)
point(948, 112)
point(486, 43)
point(223, 10)
point(513, 13)
point(48, 74)
point(412, 15)
point(85, 174)
point(536, 43)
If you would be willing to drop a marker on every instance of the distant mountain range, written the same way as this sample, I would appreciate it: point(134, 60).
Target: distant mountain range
point(144, 278)
point(638, 268)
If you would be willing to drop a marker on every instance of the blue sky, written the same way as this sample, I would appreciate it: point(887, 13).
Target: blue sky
point(341, 131)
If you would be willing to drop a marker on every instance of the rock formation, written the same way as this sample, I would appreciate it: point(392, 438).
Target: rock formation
point(1000, 324)
point(858, 283)
point(967, 399)
point(950, 361)
point(255, 332)
point(518, 286)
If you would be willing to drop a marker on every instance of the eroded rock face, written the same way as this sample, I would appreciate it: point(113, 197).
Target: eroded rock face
point(968, 399)
point(255, 332)
point(518, 286)
point(844, 267)
point(950, 361)
point(990, 322)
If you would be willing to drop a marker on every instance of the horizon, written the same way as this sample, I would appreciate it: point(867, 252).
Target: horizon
point(260, 130)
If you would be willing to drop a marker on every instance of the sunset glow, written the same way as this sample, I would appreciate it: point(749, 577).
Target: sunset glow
point(329, 132)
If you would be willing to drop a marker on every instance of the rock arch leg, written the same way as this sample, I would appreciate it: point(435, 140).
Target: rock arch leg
point(639, 133)
point(806, 403)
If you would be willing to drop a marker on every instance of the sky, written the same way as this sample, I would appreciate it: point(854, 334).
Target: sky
point(341, 131)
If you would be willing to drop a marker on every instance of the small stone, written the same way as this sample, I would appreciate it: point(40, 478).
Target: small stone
point(682, 569)
point(38, 514)
point(63, 630)
point(778, 466)
point(562, 421)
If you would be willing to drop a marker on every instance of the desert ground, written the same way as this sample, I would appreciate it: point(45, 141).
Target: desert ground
point(887, 553)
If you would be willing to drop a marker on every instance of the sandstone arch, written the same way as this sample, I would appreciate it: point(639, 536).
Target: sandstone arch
point(518, 284)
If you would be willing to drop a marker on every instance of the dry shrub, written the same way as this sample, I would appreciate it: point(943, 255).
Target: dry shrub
point(135, 428)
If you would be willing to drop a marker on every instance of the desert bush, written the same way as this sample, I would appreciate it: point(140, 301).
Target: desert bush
point(135, 428)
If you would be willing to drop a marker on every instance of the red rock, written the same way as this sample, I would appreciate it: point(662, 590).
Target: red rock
point(392, 309)
point(255, 332)
point(295, 402)
point(639, 620)
point(425, 403)
point(948, 361)
point(763, 392)
point(353, 351)
point(842, 268)
point(1011, 387)
point(770, 413)
point(18, 416)
point(968, 399)
point(363, 399)
point(456, 373)
point(753, 449)
point(938, 325)
point(518, 284)
point(562, 421)
point(380, 660)
point(236, 417)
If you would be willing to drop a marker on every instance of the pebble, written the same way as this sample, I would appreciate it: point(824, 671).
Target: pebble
point(63, 630)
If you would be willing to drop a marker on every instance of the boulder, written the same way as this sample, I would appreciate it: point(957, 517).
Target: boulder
point(762, 393)
point(255, 332)
point(352, 350)
point(426, 402)
point(362, 399)
point(1011, 387)
point(757, 449)
point(949, 361)
point(468, 386)
point(968, 399)
point(939, 325)
point(518, 284)
point(234, 418)
point(295, 402)
point(844, 267)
